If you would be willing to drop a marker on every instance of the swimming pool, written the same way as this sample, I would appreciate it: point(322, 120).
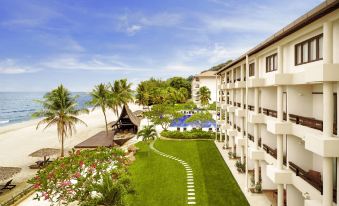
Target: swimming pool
point(180, 122)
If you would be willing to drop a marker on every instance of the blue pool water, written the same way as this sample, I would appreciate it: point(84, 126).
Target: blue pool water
point(181, 123)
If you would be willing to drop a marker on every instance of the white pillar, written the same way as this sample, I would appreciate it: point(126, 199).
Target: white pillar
point(327, 132)
point(280, 59)
point(328, 42)
point(280, 149)
point(256, 67)
point(327, 181)
point(256, 134)
point(280, 188)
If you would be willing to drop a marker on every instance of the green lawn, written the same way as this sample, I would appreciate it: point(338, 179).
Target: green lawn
point(162, 181)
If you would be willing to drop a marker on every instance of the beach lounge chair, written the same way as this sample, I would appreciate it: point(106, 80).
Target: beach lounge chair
point(7, 186)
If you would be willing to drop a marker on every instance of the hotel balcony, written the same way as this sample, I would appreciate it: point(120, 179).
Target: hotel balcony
point(240, 140)
point(218, 104)
point(239, 112)
point(240, 84)
point(256, 154)
point(224, 106)
point(230, 85)
point(231, 108)
point(323, 146)
point(223, 86)
point(278, 176)
point(276, 127)
point(278, 79)
point(256, 82)
point(317, 73)
point(256, 118)
point(232, 132)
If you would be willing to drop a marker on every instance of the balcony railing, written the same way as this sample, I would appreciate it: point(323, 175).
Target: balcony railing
point(251, 137)
point(312, 177)
point(272, 152)
point(310, 122)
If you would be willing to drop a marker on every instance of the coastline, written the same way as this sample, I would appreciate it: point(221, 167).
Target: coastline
point(19, 140)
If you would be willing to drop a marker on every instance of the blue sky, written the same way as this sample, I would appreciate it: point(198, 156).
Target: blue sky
point(85, 42)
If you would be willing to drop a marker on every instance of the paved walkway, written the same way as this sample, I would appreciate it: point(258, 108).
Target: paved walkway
point(190, 179)
point(253, 199)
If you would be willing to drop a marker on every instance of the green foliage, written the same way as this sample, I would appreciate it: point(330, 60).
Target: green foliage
point(199, 118)
point(148, 133)
point(162, 114)
point(91, 177)
point(154, 91)
point(193, 134)
point(189, 105)
point(181, 83)
point(120, 94)
point(204, 95)
point(60, 108)
point(212, 106)
point(241, 167)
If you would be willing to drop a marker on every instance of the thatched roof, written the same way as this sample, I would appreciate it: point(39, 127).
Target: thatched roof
point(45, 152)
point(8, 172)
point(138, 113)
point(126, 111)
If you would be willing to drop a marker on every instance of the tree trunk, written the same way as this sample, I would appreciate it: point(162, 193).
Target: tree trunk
point(62, 144)
point(103, 110)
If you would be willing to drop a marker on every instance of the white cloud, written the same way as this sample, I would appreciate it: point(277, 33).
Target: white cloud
point(10, 66)
point(131, 23)
point(95, 63)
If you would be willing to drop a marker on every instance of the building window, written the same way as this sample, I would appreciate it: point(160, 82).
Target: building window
point(178, 128)
point(251, 71)
point(272, 63)
point(309, 51)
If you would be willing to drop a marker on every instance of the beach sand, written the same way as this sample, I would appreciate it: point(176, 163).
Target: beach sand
point(19, 140)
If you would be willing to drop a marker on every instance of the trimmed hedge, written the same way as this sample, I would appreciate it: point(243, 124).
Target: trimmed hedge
point(193, 134)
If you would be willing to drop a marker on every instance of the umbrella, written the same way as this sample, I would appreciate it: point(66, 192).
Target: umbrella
point(44, 152)
point(8, 172)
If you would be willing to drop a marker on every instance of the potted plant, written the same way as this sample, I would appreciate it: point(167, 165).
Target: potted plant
point(258, 188)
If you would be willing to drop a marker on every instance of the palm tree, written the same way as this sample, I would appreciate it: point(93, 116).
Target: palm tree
point(60, 108)
point(204, 95)
point(100, 98)
point(148, 133)
point(121, 94)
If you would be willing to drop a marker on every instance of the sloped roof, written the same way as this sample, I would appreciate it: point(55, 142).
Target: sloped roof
point(126, 111)
point(206, 74)
point(98, 140)
point(319, 11)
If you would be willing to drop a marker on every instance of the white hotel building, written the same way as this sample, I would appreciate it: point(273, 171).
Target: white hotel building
point(282, 96)
point(204, 79)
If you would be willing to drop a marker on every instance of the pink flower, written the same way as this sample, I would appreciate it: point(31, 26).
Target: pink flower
point(36, 186)
point(77, 175)
point(45, 195)
point(66, 183)
point(81, 163)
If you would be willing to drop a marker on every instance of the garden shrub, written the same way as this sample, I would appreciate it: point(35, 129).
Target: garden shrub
point(193, 134)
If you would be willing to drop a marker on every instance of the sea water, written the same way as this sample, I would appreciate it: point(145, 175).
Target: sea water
point(19, 106)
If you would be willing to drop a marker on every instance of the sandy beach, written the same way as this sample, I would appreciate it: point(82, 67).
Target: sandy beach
point(19, 140)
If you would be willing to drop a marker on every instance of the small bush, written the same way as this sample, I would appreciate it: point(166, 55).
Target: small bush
point(193, 134)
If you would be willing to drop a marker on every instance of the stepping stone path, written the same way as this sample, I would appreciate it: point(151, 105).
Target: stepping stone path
point(190, 179)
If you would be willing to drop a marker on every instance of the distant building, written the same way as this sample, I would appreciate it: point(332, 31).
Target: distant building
point(206, 79)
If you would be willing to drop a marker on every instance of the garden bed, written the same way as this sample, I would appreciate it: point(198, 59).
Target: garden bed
point(193, 134)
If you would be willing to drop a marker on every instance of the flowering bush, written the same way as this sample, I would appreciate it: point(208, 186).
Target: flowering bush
point(91, 177)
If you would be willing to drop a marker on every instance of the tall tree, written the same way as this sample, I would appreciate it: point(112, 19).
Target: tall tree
point(204, 95)
point(100, 98)
point(121, 94)
point(60, 108)
point(163, 115)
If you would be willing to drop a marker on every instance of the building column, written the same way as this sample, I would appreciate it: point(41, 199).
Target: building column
point(327, 132)
point(327, 114)
point(256, 134)
point(280, 151)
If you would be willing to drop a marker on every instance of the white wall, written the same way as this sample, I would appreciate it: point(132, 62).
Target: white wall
point(299, 100)
point(294, 196)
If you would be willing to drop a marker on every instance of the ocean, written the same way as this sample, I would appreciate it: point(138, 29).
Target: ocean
point(19, 106)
